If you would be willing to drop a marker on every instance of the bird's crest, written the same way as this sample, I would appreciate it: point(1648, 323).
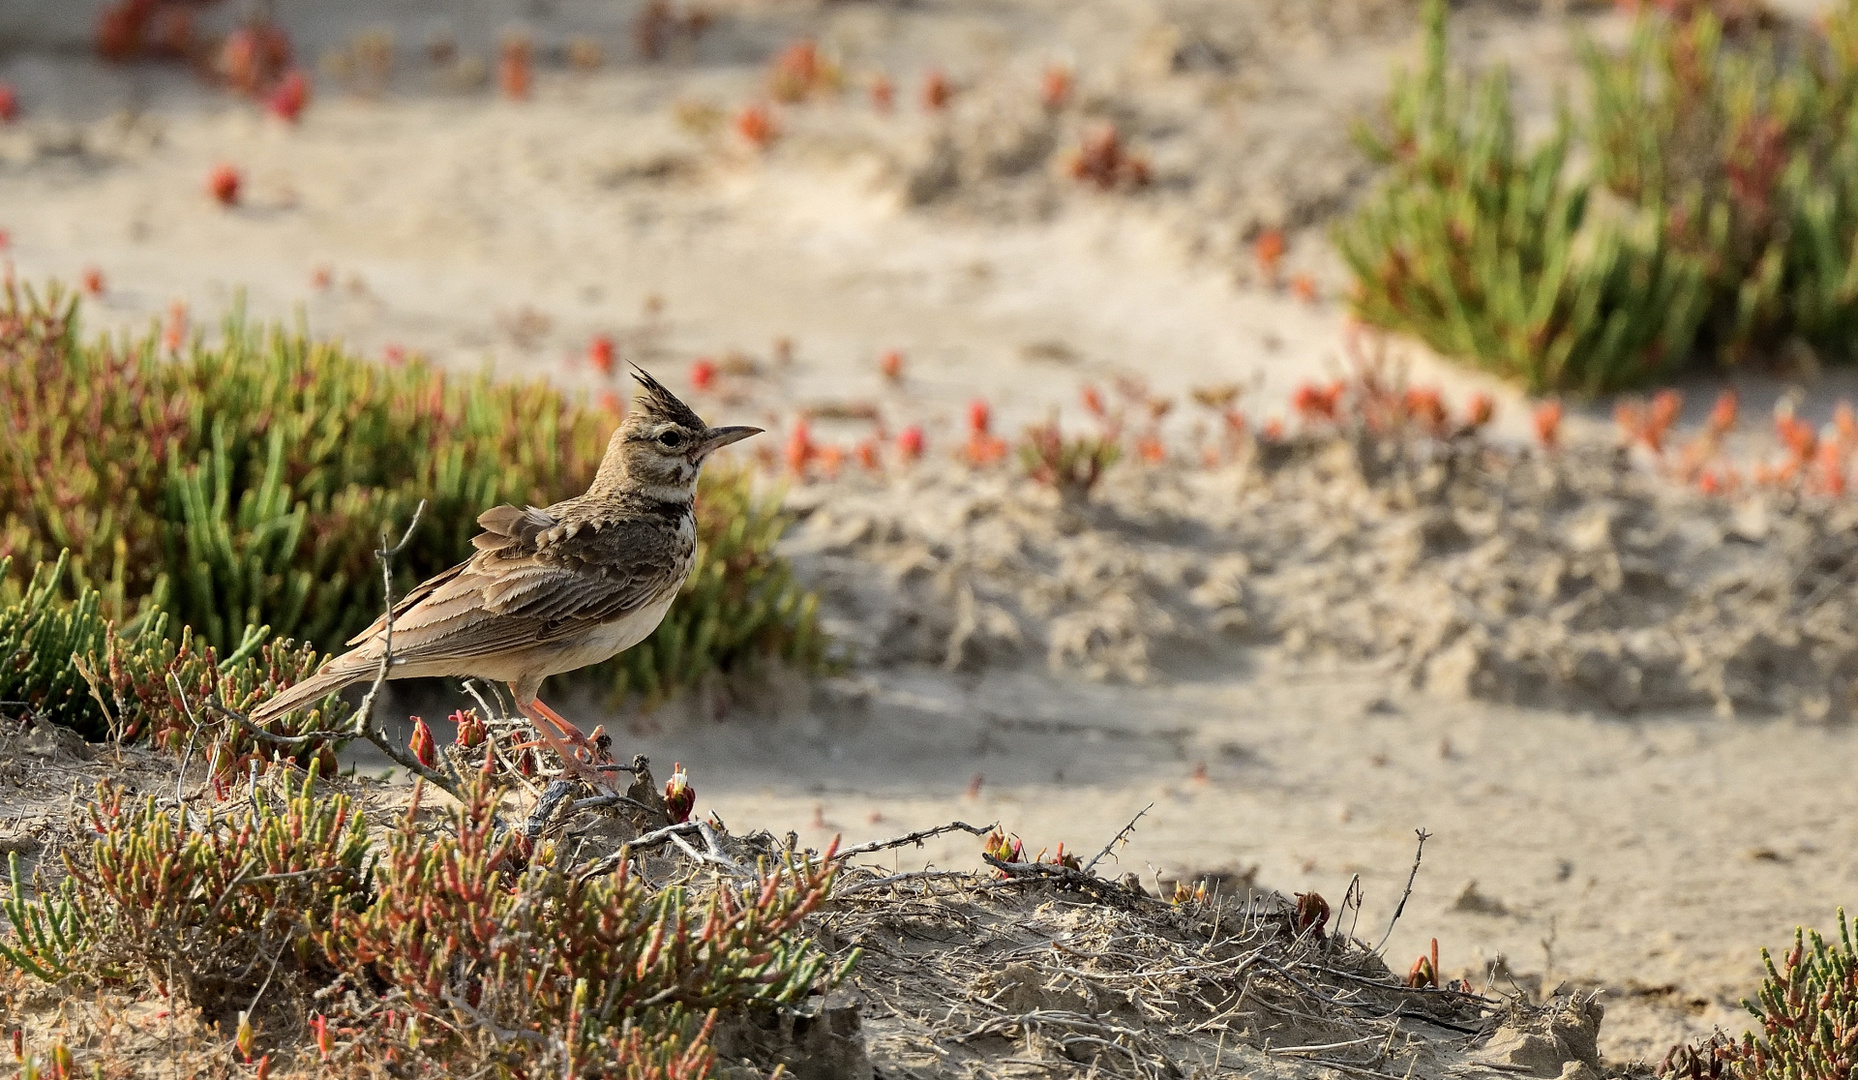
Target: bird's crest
point(654, 401)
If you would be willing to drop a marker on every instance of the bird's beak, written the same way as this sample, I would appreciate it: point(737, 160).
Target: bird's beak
point(718, 437)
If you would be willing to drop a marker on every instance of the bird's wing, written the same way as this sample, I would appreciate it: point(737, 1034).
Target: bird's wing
point(535, 578)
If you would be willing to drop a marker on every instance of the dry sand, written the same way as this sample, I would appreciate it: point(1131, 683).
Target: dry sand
point(1347, 666)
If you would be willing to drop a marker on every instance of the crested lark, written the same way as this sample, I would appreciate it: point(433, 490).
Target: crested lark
point(551, 590)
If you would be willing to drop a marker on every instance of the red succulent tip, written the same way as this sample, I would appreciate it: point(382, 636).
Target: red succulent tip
point(471, 730)
point(936, 90)
point(679, 796)
point(980, 417)
point(910, 442)
point(1055, 87)
point(1723, 414)
point(1481, 409)
point(223, 184)
point(702, 373)
point(800, 448)
point(1547, 420)
point(425, 751)
point(755, 123)
point(291, 95)
point(602, 354)
point(1269, 250)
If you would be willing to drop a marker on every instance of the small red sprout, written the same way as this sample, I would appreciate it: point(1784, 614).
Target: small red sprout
point(910, 443)
point(702, 374)
point(1424, 405)
point(1317, 402)
point(883, 94)
point(1723, 414)
point(800, 448)
point(174, 332)
point(1055, 87)
point(756, 126)
point(319, 1029)
point(223, 184)
point(601, 354)
point(254, 56)
point(892, 365)
point(1480, 411)
point(425, 751)
point(1269, 250)
point(1547, 421)
point(292, 94)
point(93, 281)
point(1312, 914)
point(1101, 160)
point(471, 730)
point(514, 67)
point(799, 72)
point(936, 90)
point(679, 796)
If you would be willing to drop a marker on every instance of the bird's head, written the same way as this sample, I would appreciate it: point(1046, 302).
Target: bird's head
point(662, 443)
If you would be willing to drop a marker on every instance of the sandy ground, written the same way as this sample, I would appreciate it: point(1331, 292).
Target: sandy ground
point(1645, 852)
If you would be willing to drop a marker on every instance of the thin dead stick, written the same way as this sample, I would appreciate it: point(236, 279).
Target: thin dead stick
point(909, 875)
point(490, 741)
point(1114, 840)
point(366, 726)
point(650, 839)
point(918, 837)
point(713, 844)
point(1418, 852)
point(600, 802)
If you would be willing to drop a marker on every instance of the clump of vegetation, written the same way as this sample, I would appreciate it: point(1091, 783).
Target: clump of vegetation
point(71, 667)
point(462, 947)
point(1718, 222)
point(47, 639)
point(1807, 1017)
point(1072, 466)
point(1492, 253)
point(245, 484)
point(197, 903)
point(457, 919)
point(1808, 1011)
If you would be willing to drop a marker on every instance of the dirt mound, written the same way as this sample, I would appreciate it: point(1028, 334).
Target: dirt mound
point(952, 973)
point(1575, 580)
point(969, 975)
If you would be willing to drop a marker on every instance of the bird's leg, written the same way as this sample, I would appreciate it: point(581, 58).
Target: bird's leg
point(578, 752)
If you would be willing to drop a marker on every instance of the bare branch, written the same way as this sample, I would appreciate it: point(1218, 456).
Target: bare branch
point(917, 838)
point(1417, 854)
point(1121, 834)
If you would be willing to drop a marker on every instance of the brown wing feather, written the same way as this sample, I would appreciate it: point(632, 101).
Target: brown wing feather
point(534, 579)
point(504, 527)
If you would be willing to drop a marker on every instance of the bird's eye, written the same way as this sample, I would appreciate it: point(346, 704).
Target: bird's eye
point(670, 439)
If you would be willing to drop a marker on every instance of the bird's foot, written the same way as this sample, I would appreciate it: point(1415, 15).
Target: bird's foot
point(585, 756)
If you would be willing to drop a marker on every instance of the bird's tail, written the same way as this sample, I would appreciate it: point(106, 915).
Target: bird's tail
point(340, 672)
